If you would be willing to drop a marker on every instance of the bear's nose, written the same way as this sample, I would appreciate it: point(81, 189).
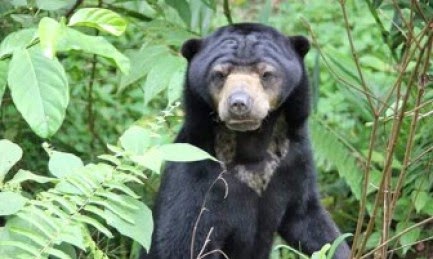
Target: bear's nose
point(240, 103)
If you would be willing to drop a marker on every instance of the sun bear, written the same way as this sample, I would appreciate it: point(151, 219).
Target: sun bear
point(246, 101)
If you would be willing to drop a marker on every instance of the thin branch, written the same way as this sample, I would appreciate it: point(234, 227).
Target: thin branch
point(203, 209)
point(355, 55)
point(71, 11)
point(428, 220)
point(227, 13)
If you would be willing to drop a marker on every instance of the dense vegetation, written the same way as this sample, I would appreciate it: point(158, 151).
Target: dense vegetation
point(89, 102)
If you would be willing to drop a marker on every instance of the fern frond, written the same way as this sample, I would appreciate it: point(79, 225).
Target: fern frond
point(328, 147)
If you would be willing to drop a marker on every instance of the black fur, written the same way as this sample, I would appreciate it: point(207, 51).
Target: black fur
point(243, 223)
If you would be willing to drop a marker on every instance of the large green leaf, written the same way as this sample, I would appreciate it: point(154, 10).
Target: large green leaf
point(101, 19)
point(407, 239)
point(52, 5)
point(3, 78)
point(24, 175)
point(135, 140)
point(49, 31)
point(74, 40)
point(10, 154)
point(39, 89)
point(159, 76)
point(182, 8)
point(141, 62)
point(11, 202)
point(142, 228)
point(17, 40)
point(182, 152)
point(62, 164)
point(175, 86)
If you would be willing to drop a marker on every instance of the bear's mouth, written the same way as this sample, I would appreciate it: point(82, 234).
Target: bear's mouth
point(243, 125)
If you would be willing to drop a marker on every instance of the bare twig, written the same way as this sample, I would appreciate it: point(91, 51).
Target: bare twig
point(355, 56)
point(419, 224)
point(71, 11)
point(202, 210)
point(227, 13)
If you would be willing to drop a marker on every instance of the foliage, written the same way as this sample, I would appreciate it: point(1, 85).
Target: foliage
point(78, 74)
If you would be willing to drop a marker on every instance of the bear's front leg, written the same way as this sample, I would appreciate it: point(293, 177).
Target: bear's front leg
point(183, 228)
point(310, 228)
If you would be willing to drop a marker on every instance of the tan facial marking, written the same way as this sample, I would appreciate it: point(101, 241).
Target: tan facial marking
point(264, 93)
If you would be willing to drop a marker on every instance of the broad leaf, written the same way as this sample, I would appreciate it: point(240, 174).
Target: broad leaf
point(10, 154)
point(101, 19)
point(142, 227)
point(141, 62)
point(63, 164)
point(3, 78)
point(182, 152)
point(407, 238)
point(420, 199)
point(321, 254)
point(52, 5)
point(175, 86)
point(49, 31)
point(17, 40)
point(74, 40)
point(39, 89)
point(17, 3)
point(152, 160)
point(11, 202)
point(182, 8)
point(135, 140)
point(159, 76)
point(24, 175)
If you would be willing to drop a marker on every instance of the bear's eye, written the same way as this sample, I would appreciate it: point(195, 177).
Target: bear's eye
point(267, 76)
point(218, 76)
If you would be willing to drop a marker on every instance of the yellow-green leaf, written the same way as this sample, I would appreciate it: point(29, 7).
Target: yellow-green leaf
point(99, 18)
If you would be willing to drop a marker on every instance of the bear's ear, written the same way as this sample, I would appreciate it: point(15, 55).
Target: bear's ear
point(301, 44)
point(190, 48)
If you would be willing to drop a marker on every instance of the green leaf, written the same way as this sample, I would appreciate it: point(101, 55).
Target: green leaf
point(39, 89)
point(17, 40)
point(73, 234)
point(93, 222)
point(175, 86)
point(152, 160)
point(142, 228)
point(11, 203)
point(337, 242)
point(17, 3)
point(182, 152)
point(52, 5)
point(135, 140)
point(141, 62)
point(24, 175)
point(74, 40)
point(101, 19)
point(10, 154)
point(49, 31)
point(322, 253)
point(182, 8)
point(420, 199)
point(408, 238)
point(63, 164)
point(329, 147)
point(159, 76)
point(3, 78)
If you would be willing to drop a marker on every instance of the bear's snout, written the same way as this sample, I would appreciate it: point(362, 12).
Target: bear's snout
point(239, 103)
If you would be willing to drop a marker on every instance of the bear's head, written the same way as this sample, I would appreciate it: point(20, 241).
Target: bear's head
point(244, 71)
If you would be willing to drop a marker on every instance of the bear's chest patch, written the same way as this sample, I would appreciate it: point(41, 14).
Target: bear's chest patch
point(255, 175)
